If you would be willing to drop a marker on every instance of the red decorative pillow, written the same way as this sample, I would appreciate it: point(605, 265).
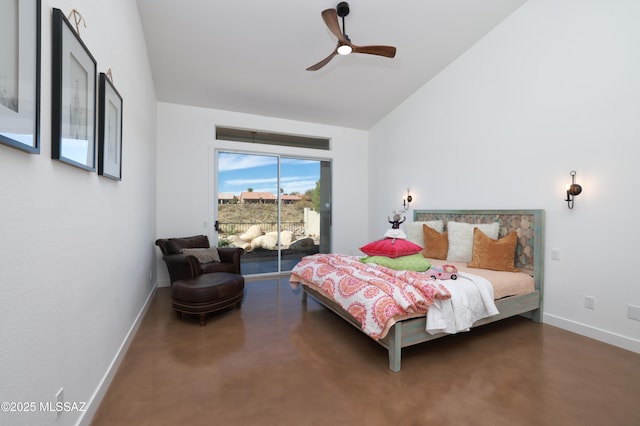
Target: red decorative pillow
point(391, 247)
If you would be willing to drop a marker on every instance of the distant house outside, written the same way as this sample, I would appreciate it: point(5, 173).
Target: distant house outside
point(257, 198)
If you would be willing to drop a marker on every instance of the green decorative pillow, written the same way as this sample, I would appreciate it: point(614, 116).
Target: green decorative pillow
point(414, 262)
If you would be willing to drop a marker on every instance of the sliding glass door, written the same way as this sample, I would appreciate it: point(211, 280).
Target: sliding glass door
point(278, 209)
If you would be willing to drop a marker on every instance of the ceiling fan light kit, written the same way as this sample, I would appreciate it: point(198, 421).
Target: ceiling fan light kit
point(345, 47)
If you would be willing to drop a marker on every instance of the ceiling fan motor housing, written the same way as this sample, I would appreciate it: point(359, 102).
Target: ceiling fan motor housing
point(343, 9)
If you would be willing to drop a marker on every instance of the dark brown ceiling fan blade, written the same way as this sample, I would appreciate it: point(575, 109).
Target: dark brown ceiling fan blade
point(323, 62)
point(330, 18)
point(345, 47)
point(386, 51)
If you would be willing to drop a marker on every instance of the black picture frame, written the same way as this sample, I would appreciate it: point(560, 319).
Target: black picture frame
point(109, 130)
point(20, 36)
point(73, 96)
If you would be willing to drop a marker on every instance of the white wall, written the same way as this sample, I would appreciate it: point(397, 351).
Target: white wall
point(552, 89)
point(186, 146)
point(76, 248)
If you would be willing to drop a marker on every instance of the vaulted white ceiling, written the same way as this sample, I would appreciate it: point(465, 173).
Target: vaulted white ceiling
point(250, 56)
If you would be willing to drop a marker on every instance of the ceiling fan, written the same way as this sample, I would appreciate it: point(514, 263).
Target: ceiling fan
point(344, 47)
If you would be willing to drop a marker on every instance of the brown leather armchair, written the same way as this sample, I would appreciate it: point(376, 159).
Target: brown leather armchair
point(182, 266)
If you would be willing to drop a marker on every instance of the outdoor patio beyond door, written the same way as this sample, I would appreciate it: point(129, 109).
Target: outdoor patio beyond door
point(274, 207)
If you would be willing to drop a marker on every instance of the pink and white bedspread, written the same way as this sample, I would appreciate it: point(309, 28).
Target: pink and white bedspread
point(373, 295)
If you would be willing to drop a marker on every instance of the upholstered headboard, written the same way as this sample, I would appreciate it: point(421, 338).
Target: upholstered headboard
point(529, 225)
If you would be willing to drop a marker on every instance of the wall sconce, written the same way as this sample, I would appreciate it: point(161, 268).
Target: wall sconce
point(572, 190)
point(407, 201)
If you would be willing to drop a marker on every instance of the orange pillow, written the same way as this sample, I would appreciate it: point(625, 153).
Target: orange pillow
point(497, 255)
point(436, 245)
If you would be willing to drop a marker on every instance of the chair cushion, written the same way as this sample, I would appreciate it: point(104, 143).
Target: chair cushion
point(175, 245)
point(204, 255)
point(208, 287)
point(208, 268)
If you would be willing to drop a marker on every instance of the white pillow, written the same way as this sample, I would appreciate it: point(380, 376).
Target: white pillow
point(414, 230)
point(461, 238)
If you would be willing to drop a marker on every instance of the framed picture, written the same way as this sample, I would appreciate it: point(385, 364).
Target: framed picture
point(20, 74)
point(73, 95)
point(109, 130)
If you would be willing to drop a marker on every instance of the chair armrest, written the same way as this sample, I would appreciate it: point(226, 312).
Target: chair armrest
point(162, 243)
point(195, 268)
point(231, 255)
point(181, 266)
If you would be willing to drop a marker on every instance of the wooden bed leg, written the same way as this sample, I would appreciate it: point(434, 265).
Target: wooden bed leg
point(395, 347)
point(536, 316)
point(304, 296)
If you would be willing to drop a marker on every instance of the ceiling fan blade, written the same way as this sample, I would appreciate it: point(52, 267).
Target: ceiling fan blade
point(323, 62)
point(330, 18)
point(387, 51)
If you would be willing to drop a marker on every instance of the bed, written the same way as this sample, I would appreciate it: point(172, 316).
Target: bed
point(406, 330)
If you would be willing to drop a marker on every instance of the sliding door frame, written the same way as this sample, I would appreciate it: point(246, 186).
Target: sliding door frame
point(299, 154)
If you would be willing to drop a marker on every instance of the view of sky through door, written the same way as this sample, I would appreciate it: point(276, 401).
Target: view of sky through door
point(238, 172)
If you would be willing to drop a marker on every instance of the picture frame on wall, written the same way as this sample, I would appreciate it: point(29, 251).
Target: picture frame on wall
point(109, 130)
point(20, 74)
point(73, 95)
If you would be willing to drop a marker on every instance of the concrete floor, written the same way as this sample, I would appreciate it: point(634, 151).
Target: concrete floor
point(278, 361)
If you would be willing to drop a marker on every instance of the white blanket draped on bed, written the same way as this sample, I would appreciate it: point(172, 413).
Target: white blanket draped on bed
point(471, 300)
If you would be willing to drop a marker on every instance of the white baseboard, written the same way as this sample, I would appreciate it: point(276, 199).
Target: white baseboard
point(614, 339)
point(101, 390)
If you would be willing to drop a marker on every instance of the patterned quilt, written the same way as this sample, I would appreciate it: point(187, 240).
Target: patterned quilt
point(372, 294)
